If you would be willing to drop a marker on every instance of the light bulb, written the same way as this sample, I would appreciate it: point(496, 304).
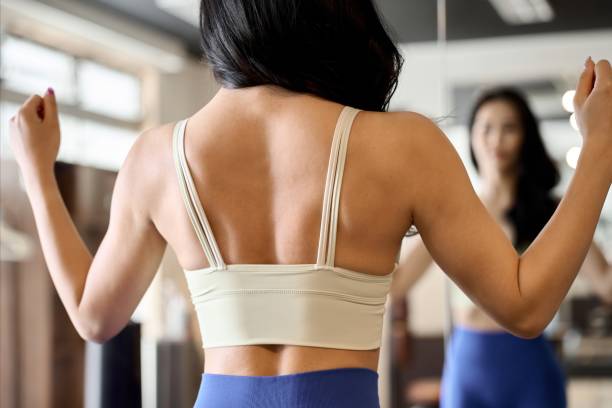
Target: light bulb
point(571, 157)
point(567, 100)
point(573, 121)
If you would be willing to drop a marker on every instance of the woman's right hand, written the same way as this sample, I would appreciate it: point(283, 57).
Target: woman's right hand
point(593, 107)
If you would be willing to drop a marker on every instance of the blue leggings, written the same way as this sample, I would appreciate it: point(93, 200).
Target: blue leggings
point(336, 388)
point(499, 370)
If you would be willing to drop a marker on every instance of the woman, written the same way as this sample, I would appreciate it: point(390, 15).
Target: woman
point(486, 366)
point(290, 293)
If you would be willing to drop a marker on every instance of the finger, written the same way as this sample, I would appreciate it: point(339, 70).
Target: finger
point(50, 109)
point(603, 73)
point(30, 108)
point(585, 83)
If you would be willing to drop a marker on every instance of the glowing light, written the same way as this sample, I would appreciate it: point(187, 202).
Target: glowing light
point(573, 121)
point(567, 100)
point(571, 157)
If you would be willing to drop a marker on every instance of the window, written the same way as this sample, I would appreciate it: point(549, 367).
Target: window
point(121, 100)
point(29, 68)
point(100, 107)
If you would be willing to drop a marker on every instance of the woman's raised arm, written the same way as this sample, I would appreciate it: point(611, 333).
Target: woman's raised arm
point(99, 293)
point(521, 292)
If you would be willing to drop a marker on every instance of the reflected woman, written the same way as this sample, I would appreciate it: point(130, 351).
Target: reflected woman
point(485, 365)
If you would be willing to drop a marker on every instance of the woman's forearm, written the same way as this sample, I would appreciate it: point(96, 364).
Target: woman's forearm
point(414, 261)
point(598, 272)
point(66, 255)
point(549, 266)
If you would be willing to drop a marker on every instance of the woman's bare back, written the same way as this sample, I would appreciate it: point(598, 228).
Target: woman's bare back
point(259, 158)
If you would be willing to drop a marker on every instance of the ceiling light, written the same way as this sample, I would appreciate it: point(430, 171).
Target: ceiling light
point(518, 12)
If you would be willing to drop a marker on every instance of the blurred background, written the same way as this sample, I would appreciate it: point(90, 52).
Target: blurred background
point(119, 67)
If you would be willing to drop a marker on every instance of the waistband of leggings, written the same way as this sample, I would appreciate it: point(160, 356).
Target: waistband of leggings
point(316, 373)
point(490, 334)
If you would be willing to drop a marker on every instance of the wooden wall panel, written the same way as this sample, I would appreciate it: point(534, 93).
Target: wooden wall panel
point(42, 356)
point(26, 299)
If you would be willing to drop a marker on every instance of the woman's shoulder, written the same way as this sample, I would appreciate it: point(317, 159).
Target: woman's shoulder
point(400, 121)
point(413, 135)
point(149, 159)
point(405, 129)
point(405, 150)
point(152, 145)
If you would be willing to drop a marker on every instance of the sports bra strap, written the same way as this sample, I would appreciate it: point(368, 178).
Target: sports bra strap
point(331, 196)
point(192, 201)
point(333, 184)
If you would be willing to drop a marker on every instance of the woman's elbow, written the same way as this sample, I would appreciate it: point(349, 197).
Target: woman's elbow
point(93, 333)
point(527, 329)
point(526, 323)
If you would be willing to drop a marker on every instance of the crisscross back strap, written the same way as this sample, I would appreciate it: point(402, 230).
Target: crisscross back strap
point(333, 184)
point(192, 200)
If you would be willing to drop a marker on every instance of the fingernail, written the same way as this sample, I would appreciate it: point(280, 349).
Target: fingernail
point(50, 91)
point(587, 61)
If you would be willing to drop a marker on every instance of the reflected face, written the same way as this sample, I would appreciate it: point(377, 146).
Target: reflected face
point(497, 137)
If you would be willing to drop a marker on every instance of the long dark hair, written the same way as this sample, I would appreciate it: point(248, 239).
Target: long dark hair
point(336, 49)
point(537, 174)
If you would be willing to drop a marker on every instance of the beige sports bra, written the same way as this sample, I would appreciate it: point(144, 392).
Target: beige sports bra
point(319, 305)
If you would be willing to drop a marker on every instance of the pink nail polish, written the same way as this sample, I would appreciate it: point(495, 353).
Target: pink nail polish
point(50, 91)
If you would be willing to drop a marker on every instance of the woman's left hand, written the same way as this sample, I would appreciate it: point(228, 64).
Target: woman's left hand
point(35, 135)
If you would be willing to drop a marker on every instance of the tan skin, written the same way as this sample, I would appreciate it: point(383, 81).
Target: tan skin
point(259, 157)
point(497, 138)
